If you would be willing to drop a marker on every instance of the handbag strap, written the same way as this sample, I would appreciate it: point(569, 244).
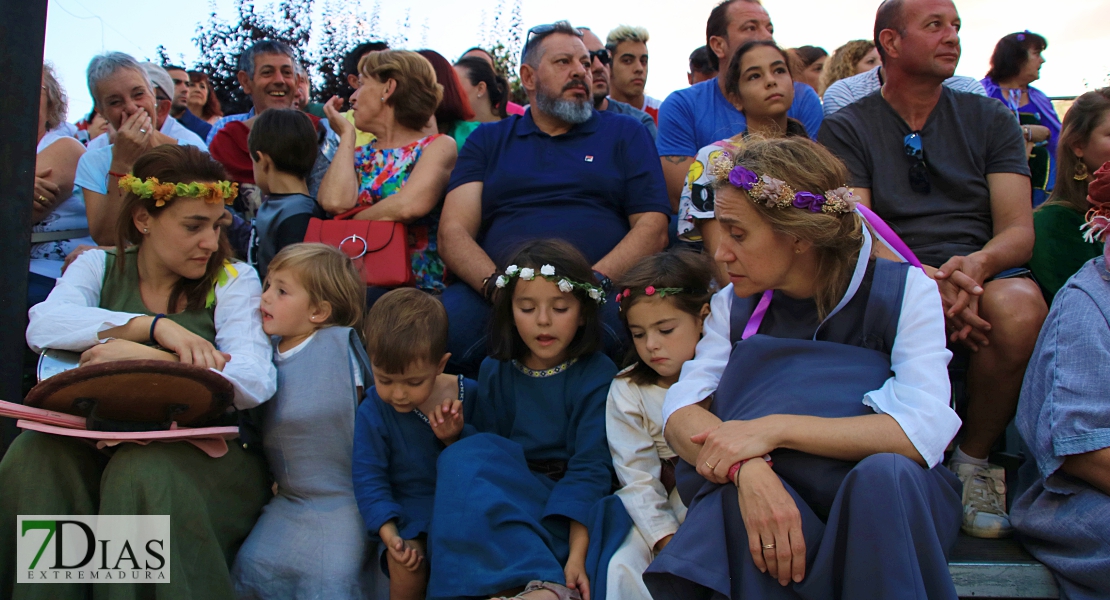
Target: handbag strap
point(350, 213)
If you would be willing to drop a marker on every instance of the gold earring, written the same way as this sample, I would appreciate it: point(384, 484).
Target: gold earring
point(797, 251)
point(1080, 172)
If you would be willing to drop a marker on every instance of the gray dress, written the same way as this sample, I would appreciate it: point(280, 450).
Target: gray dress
point(309, 541)
point(1062, 520)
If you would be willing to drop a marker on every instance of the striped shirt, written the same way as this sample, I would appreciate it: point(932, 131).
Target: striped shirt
point(846, 91)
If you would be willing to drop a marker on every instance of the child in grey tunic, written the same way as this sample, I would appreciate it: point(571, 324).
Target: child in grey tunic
point(309, 541)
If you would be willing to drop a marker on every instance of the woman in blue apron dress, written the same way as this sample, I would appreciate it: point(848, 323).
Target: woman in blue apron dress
point(815, 411)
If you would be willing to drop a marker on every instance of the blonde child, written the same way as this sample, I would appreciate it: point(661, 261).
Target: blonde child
point(410, 415)
point(311, 307)
point(526, 505)
point(664, 300)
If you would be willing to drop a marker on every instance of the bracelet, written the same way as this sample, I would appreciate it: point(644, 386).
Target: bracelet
point(734, 469)
point(117, 175)
point(152, 324)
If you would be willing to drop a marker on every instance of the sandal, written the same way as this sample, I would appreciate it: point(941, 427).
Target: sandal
point(562, 592)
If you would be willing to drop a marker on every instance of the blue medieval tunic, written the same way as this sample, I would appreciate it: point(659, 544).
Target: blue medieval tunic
point(505, 496)
point(1062, 520)
point(394, 467)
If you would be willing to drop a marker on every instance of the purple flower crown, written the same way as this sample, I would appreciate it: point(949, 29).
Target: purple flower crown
point(776, 193)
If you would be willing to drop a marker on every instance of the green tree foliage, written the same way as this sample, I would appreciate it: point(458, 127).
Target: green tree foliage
point(342, 28)
point(504, 39)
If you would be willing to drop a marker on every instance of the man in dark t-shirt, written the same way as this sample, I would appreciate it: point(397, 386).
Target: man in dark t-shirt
point(948, 171)
point(563, 170)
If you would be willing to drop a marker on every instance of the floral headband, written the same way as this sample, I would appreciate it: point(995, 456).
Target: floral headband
point(548, 272)
point(650, 290)
point(220, 191)
point(776, 193)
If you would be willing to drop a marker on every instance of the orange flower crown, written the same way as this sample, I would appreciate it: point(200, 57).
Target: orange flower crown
point(219, 191)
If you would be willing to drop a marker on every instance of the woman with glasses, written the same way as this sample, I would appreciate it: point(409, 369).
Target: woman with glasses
point(758, 78)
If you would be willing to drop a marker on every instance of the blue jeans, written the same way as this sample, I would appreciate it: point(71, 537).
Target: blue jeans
point(468, 316)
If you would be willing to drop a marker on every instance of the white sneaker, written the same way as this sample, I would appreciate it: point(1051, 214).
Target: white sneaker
point(984, 500)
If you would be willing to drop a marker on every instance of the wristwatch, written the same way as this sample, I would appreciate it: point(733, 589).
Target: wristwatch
point(604, 281)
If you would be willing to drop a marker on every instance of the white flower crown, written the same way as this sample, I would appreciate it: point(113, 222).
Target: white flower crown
point(548, 272)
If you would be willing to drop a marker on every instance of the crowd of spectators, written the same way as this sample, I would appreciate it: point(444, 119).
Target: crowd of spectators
point(1000, 202)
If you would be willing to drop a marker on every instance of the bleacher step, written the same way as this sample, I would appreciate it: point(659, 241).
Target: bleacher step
point(998, 569)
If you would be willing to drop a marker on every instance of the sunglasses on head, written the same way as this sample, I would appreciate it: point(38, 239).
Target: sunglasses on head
point(537, 30)
point(919, 173)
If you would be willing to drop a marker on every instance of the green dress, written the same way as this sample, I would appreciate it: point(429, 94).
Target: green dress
point(212, 502)
point(1059, 251)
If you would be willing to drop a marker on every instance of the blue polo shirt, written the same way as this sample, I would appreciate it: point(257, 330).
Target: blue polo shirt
point(692, 118)
point(580, 186)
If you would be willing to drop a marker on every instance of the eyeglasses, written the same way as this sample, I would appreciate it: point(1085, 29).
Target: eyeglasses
point(601, 55)
point(919, 172)
point(540, 30)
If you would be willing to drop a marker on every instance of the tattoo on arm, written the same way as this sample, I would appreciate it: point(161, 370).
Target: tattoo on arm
point(675, 160)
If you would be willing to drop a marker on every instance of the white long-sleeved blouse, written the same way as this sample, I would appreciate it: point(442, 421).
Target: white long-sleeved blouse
point(634, 427)
point(70, 319)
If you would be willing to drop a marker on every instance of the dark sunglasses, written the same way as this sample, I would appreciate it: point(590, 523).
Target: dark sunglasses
point(537, 30)
point(919, 173)
point(601, 55)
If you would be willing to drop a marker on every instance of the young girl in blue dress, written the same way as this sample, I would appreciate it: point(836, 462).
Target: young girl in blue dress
point(526, 503)
point(312, 309)
point(664, 300)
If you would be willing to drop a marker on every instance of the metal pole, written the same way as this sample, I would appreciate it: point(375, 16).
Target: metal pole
point(22, 38)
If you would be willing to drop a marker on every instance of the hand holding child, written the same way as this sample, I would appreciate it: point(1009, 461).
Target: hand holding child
point(447, 421)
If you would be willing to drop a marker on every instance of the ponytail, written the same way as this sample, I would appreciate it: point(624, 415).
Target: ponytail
point(480, 71)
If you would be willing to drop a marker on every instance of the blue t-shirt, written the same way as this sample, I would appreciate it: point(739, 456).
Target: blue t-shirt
point(699, 115)
point(580, 186)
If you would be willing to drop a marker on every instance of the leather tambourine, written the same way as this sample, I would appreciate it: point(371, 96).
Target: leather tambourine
point(136, 395)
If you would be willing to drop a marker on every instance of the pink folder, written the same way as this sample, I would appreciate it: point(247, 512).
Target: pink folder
point(210, 440)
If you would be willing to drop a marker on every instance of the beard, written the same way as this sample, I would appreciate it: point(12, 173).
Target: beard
point(574, 112)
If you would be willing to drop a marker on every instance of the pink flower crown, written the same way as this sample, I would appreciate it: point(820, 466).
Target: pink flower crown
point(776, 193)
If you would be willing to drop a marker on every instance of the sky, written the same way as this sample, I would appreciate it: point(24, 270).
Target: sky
point(1077, 37)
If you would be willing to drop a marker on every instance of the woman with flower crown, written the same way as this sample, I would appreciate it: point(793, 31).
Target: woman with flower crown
point(525, 506)
point(815, 410)
point(170, 292)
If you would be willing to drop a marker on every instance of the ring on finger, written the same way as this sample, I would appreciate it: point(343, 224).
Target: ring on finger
point(42, 198)
point(768, 546)
point(141, 130)
point(709, 465)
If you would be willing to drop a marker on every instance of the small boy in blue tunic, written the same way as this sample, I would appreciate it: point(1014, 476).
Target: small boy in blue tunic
point(411, 414)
